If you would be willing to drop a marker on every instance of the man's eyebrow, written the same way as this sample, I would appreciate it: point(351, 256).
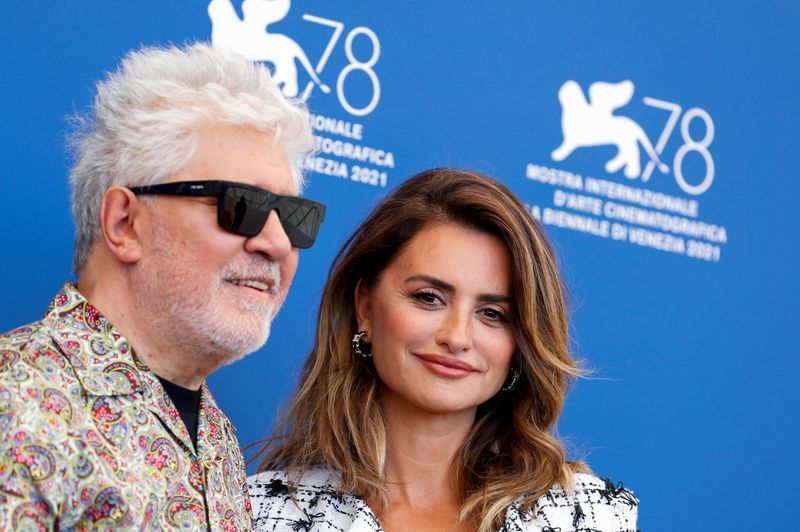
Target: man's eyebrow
point(443, 285)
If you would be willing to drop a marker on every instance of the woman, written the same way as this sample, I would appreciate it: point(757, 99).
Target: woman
point(439, 370)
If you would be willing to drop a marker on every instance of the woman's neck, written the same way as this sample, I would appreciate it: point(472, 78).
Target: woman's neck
point(421, 449)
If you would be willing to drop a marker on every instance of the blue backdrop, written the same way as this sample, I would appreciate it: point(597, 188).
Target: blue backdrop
point(683, 281)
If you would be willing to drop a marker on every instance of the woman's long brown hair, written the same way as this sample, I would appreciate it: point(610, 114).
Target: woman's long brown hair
point(334, 419)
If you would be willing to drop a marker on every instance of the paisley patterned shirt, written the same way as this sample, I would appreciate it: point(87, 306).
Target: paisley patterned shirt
point(90, 440)
point(315, 504)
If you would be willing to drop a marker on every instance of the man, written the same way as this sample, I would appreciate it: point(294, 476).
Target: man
point(187, 227)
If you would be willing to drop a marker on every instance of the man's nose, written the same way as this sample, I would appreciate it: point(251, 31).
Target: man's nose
point(272, 241)
point(455, 331)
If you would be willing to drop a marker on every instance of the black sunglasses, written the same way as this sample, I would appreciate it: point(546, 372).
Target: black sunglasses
point(243, 209)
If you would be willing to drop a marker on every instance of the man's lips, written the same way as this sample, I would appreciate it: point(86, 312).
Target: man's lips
point(446, 366)
point(260, 284)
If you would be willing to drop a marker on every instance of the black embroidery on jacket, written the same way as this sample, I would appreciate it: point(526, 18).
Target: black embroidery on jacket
point(619, 493)
point(276, 488)
point(314, 505)
point(578, 516)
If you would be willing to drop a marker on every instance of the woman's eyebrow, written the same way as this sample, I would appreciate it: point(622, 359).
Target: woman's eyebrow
point(443, 285)
point(494, 298)
point(435, 281)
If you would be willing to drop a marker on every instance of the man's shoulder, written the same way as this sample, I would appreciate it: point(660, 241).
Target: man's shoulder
point(38, 387)
point(20, 336)
point(29, 349)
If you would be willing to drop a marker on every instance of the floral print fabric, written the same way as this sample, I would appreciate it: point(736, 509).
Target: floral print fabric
point(90, 440)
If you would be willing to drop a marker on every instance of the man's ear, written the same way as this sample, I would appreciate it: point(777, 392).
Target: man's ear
point(363, 308)
point(121, 223)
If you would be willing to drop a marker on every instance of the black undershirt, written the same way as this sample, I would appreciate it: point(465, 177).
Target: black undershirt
point(187, 402)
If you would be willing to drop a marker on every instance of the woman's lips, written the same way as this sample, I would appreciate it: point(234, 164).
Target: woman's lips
point(446, 366)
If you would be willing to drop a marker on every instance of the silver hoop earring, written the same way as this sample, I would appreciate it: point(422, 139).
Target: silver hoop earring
point(511, 385)
point(358, 342)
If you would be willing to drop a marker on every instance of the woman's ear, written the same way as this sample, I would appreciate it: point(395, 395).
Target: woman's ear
point(363, 308)
point(120, 211)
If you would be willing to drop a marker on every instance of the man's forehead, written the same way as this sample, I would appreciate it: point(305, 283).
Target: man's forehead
point(241, 154)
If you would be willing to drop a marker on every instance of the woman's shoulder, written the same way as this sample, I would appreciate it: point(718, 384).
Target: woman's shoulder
point(276, 483)
point(590, 503)
point(284, 501)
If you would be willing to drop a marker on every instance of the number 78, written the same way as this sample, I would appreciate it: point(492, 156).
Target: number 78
point(354, 63)
point(689, 144)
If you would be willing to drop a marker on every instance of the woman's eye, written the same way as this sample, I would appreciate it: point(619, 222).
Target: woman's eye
point(494, 314)
point(426, 298)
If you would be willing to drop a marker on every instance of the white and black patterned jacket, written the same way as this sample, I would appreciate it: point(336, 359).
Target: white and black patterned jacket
point(593, 505)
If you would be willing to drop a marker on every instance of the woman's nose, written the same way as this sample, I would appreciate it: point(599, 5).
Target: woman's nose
point(456, 330)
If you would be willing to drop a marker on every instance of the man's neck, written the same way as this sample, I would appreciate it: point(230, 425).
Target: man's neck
point(166, 357)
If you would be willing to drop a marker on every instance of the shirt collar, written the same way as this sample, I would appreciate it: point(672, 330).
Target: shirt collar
point(106, 365)
point(101, 356)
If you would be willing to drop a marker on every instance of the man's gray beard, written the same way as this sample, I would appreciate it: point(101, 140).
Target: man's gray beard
point(191, 316)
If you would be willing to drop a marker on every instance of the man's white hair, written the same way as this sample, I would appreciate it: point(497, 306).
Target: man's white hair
point(144, 123)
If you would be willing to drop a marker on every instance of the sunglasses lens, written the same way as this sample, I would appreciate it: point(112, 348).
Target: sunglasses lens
point(244, 211)
point(301, 219)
